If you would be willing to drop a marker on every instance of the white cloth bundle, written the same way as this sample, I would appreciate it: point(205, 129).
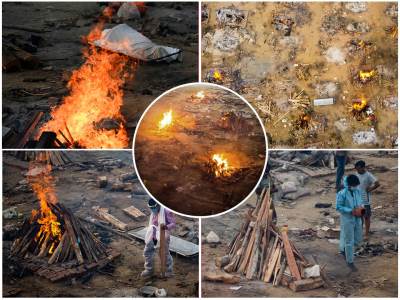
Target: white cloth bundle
point(125, 40)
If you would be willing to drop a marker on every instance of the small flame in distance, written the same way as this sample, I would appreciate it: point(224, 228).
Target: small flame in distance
point(166, 121)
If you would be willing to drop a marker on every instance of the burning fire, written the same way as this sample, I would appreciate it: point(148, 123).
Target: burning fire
point(365, 75)
point(217, 75)
point(50, 227)
point(95, 98)
point(166, 120)
point(360, 104)
point(222, 167)
point(200, 95)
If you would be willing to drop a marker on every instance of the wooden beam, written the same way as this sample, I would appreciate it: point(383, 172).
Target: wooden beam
point(289, 254)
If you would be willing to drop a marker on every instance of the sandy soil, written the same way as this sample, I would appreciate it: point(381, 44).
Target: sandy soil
point(268, 68)
point(61, 26)
point(176, 162)
point(377, 275)
point(76, 188)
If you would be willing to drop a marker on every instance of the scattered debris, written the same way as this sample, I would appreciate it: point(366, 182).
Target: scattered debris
point(232, 17)
point(365, 137)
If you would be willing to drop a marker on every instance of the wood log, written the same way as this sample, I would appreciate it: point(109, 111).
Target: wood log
point(254, 258)
point(43, 248)
point(102, 213)
point(98, 224)
point(278, 265)
point(289, 255)
point(133, 212)
point(56, 254)
point(73, 240)
point(282, 268)
point(270, 251)
point(271, 265)
point(224, 278)
point(29, 130)
point(306, 284)
point(264, 245)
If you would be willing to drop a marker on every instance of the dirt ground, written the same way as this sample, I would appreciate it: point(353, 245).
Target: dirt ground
point(52, 33)
point(177, 164)
point(377, 275)
point(283, 56)
point(76, 187)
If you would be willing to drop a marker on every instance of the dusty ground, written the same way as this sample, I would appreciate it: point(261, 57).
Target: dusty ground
point(77, 189)
point(317, 54)
point(176, 162)
point(377, 275)
point(57, 28)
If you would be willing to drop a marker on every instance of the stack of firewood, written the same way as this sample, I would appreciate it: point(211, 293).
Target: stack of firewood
point(55, 158)
point(263, 251)
point(77, 243)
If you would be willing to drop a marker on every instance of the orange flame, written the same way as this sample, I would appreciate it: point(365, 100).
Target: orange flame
point(360, 105)
point(96, 96)
point(365, 75)
point(222, 167)
point(42, 185)
point(166, 121)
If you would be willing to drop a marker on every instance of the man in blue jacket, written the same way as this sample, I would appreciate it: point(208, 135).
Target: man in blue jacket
point(350, 205)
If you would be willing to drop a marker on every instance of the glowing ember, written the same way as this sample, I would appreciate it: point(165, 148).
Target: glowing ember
point(217, 75)
point(365, 75)
point(166, 120)
point(50, 227)
point(200, 94)
point(221, 165)
point(95, 97)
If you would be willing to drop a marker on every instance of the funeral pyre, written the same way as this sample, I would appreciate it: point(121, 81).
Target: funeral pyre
point(53, 243)
point(262, 251)
point(90, 116)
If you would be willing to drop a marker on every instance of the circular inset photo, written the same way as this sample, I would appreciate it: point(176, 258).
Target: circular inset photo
point(200, 149)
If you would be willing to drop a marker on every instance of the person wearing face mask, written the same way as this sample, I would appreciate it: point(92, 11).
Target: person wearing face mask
point(368, 183)
point(160, 218)
point(350, 206)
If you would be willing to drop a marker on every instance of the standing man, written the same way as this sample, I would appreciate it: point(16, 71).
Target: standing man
point(349, 205)
point(368, 183)
point(340, 157)
point(160, 218)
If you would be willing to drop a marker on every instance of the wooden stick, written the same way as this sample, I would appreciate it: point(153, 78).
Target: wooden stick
point(74, 242)
point(163, 252)
point(54, 257)
point(43, 248)
point(27, 133)
point(69, 133)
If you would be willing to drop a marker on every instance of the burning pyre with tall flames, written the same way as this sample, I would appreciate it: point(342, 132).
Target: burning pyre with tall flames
point(53, 234)
point(49, 234)
point(95, 98)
